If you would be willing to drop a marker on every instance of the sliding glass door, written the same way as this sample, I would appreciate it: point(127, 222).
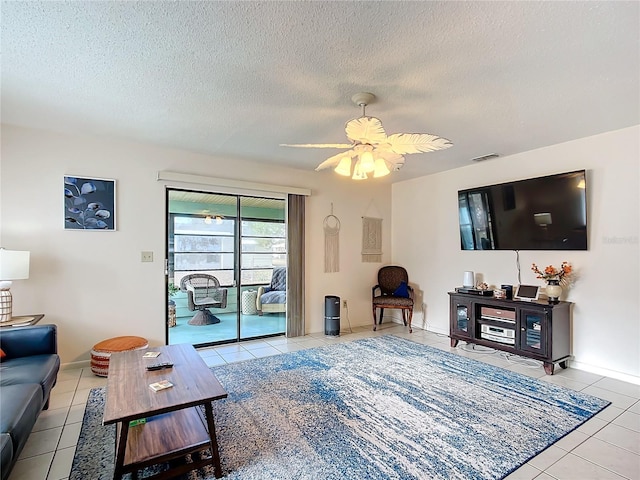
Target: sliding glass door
point(240, 241)
point(263, 253)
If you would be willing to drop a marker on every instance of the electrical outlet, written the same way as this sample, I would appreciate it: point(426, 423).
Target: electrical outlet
point(344, 304)
point(146, 257)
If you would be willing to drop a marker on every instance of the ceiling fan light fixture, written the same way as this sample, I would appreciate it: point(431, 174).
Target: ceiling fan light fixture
point(344, 167)
point(358, 173)
point(369, 141)
point(381, 168)
point(209, 218)
point(366, 162)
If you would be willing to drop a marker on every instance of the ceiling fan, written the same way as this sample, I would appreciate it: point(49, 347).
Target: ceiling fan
point(375, 152)
point(208, 218)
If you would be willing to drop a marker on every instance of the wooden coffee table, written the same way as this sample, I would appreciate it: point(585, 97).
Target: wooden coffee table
point(174, 424)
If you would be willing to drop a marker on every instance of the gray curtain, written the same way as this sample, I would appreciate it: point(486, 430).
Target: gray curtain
point(295, 267)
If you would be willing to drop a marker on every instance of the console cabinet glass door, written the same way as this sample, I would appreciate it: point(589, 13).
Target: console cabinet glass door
point(533, 325)
point(462, 318)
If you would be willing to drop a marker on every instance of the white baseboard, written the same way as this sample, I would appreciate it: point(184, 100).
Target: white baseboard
point(625, 377)
point(572, 363)
point(439, 331)
point(430, 328)
point(72, 365)
point(422, 325)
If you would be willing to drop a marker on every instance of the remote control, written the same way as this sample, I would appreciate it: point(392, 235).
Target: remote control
point(159, 366)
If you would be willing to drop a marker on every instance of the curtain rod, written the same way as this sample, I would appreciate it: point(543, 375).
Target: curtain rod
point(225, 182)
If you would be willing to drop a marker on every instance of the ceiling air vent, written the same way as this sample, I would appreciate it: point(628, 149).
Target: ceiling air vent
point(485, 157)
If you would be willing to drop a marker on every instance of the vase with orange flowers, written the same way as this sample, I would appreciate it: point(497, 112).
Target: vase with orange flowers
point(554, 278)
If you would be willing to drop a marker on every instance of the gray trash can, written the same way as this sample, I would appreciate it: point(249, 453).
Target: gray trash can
point(332, 315)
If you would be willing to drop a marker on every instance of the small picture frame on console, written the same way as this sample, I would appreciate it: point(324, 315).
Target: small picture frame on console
point(500, 293)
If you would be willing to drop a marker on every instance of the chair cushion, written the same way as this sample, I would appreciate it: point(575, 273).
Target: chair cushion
point(402, 290)
point(273, 297)
point(43, 369)
point(207, 302)
point(19, 410)
point(393, 301)
point(279, 279)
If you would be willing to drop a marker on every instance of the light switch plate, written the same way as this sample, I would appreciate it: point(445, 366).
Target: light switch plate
point(146, 257)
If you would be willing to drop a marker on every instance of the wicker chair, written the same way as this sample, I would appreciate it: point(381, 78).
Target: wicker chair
point(203, 292)
point(393, 291)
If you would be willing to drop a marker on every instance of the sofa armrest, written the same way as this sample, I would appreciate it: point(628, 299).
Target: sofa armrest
point(26, 341)
point(258, 301)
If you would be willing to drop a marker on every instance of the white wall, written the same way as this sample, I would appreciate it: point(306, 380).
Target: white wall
point(606, 325)
point(93, 285)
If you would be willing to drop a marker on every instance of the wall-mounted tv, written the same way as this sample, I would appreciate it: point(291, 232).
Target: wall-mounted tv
point(544, 213)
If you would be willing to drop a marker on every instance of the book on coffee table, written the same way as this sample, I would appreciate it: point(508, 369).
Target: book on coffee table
point(161, 385)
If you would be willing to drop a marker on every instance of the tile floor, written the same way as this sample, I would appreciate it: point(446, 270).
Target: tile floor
point(251, 326)
point(606, 447)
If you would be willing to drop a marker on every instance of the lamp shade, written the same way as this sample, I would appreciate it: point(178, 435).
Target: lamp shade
point(381, 168)
point(358, 173)
point(344, 167)
point(366, 162)
point(14, 264)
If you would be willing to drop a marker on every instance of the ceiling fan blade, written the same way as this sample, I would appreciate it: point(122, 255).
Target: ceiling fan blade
point(390, 157)
point(394, 160)
point(404, 143)
point(397, 165)
point(319, 145)
point(334, 160)
point(365, 130)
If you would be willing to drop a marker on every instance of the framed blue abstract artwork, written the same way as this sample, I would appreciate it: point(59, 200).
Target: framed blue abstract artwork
point(89, 203)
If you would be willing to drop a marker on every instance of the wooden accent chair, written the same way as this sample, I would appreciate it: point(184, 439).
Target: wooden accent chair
point(393, 291)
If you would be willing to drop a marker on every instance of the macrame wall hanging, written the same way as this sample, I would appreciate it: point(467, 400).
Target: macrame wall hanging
point(331, 243)
point(371, 240)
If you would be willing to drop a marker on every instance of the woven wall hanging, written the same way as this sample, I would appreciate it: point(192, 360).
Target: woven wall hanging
point(331, 243)
point(371, 240)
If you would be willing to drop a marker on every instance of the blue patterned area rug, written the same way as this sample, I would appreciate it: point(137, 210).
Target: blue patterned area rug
point(378, 408)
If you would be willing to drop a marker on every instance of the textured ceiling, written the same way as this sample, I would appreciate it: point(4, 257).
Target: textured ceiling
point(236, 79)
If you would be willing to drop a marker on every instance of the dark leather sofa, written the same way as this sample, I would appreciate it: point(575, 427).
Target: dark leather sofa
point(28, 372)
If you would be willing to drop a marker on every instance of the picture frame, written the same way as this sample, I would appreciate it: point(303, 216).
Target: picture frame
point(500, 293)
point(89, 203)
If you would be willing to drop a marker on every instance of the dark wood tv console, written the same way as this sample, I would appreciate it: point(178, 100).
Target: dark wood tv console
point(538, 330)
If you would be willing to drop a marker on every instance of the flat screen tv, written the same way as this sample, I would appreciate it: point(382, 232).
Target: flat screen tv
point(544, 213)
